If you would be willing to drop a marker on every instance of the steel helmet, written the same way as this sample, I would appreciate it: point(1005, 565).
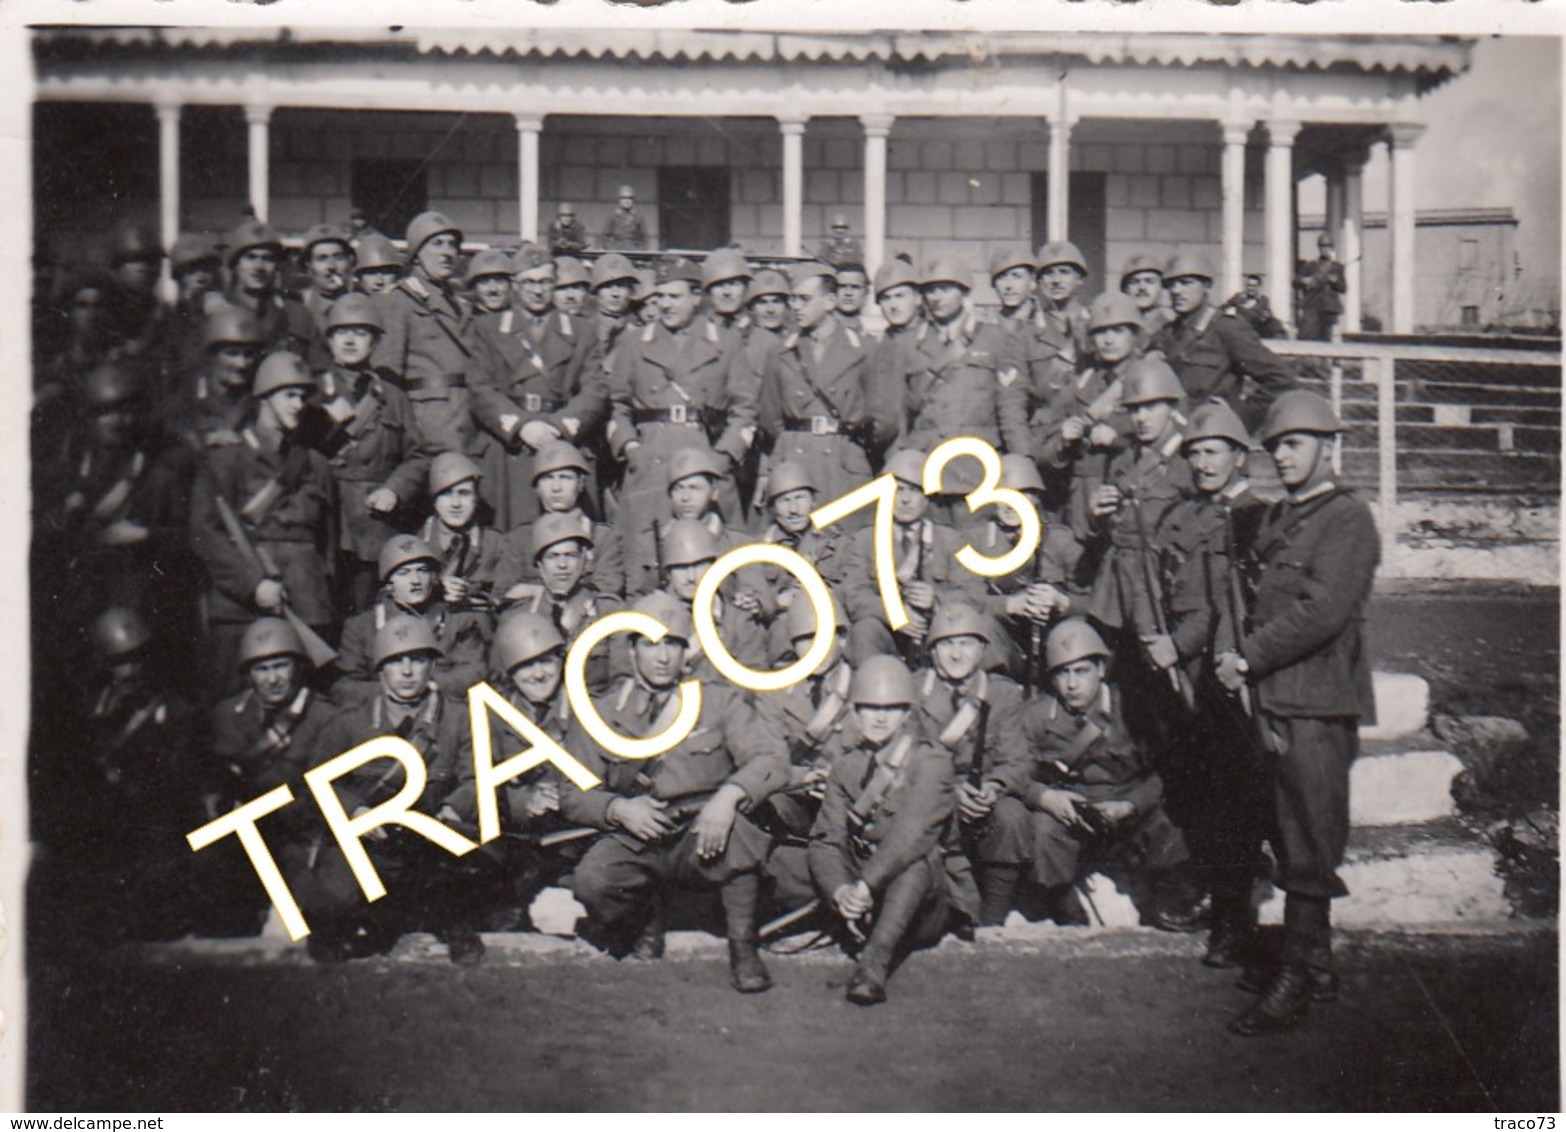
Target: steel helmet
point(957, 619)
point(354, 310)
point(570, 272)
point(118, 632)
point(627, 191)
point(613, 268)
point(1139, 263)
point(1062, 251)
point(251, 234)
point(907, 464)
point(325, 234)
point(399, 550)
point(558, 455)
point(231, 326)
point(767, 281)
point(1216, 420)
point(840, 220)
point(787, 476)
point(1299, 410)
point(1013, 255)
point(558, 527)
point(1020, 473)
point(800, 620)
point(112, 384)
point(281, 369)
point(193, 248)
point(449, 469)
point(266, 638)
point(801, 273)
point(883, 681)
point(1113, 308)
point(133, 242)
point(723, 265)
point(1151, 379)
point(697, 460)
point(947, 271)
point(687, 542)
point(377, 252)
point(676, 269)
point(522, 636)
point(425, 227)
point(669, 610)
point(490, 261)
point(401, 635)
point(1070, 640)
point(566, 209)
point(1190, 265)
point(895, 273)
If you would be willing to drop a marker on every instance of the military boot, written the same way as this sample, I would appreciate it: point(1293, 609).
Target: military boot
point(1282, 1006)
point(747, 973)
point(997, 889)
point(868, 985)
point(1230, 942)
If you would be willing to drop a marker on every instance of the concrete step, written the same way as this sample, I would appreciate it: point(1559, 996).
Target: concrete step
point(1402, 706)
point(1400, 787)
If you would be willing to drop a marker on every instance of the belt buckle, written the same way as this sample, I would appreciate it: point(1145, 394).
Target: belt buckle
point(677, 414)
point(823, 426)
point(532, 402)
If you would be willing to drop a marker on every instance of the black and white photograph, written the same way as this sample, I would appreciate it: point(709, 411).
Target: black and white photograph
point(590, 557)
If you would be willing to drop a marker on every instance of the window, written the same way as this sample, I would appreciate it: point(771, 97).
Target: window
point(389, 192)
point(693, 207)
point(1467, 255)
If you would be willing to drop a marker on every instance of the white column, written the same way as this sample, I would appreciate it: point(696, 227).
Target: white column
point(1281, 237)
point(877, 127)
point(528, 130)
point(1333, 225)
point(168, 184)
point(1057, 219)
point(1400, 140)
point(793, 130)
point(1234, 135)
point(1353, 246)
point(259, 118)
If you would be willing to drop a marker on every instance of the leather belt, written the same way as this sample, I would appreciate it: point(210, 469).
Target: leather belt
point(674, 414)
point(819, 426)
point(537, 403)
point(439, 381)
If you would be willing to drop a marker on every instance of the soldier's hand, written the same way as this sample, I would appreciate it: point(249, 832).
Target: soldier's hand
point(1114, 811)
point(1103, 436)
point(454, 587)
point(1062, 806)
point(716, 819)
point(1161, 650)
point(920, 595)
point(853, 900)
point(1072, 429)
point(509, 423)
point(536, 434)
point(1044, 601)
point(221, 438)
point(748, 601)
point(121, 532)
point(974, 803)
point(270, 595)
point(643, 817)
point(381, 501)
point(543, 799)
point(1227, 666)
point(1106, 499)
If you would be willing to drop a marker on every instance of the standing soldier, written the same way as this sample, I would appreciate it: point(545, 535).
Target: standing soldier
point(428, 341)
point(1321, 285)
point(683, 815)
point(766, 301)
point(328, 260)
point(1303, 656)
point(378, 265)
point(1215, 353)
point(567, 234)
point(1062, 272)
point(724, 277)
point(213, 406)
point(1142, 279)
point(875, 852)
point(1012, 274)
point(131, 303)
point(852, 290)
point(572, 281)
point(541, 380)
point(893, 358)
point(614, 282)
point(488, 280)
point(626, 231)
point(255, 257)
point(840, 248)
point(197, 268)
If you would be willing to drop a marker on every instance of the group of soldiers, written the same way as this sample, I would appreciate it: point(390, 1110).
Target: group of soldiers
point(269, 527)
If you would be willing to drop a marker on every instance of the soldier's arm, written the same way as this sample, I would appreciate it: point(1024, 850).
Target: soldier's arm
point(608, 561)
point(622, 429)
point(587, 807)
point(861, 597)
point(743, 386)
point(232, 572)
point(589, 405)
point(408, 479)
point(1011, 395)
point(928, 803)
point(1012, 762)
point(830, 853)
point(768, 364)
point(885, 391)
point(753, 732)
point(487, 391)
point(1254, 359)
point(391, 350)
point(466, 661)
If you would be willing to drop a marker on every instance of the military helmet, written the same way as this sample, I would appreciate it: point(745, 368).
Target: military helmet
point(377, 252)
point(673, 613)
point(1139, 263)
point(354, 310)
point(531, 258)
point(571, 272)
point(134, 242)
point(558, 455)
point(111, 385)
point(425, 227)
point(907, 464)
point(558, 527)
point(281, 369)
point(1216, 420)
point(490, 261)
point(627, 191)
point(687, 542)
point(1070, 640)
point(1113, 308)
point(767, 281)
point(1013, 255)
point(399, 550)
point(840, 220)
point(697, 460)
point(947, 271)
point(231, 326)
point(1190, 265)
point(895, 273)
point(250, 234)
point(723, 265)
point(1299, 410)
point(787, 476)
point(1062, 251)
point(403, 634)
point(449, 469)
point(801, 273)
point(118, 632)
point(1020, 473)
point(325, 234)
point(520, 637)
point(957, 619)
point(565, 209)
point(1151, 379)
point(883, 681)
point(800, 620)
point(267, 638)
point(191, 249)
point(676, 269)
point(613, 268)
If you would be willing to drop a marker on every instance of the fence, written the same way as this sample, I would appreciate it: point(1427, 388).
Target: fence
point(1438, 420)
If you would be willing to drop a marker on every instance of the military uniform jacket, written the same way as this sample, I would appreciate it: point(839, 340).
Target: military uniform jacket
point(1092, 754)
point(477, 555)
point(971, 386)
point(435, 726)
point(605, 569)
point(92, 486)
point(567, 237)
point(934, 561)
point(695, 371)
point(283, 320)
point(299, 531)
point(1056, 562)
point(823, 549)
point(464, 637)
point(258, 748)
point(1321, 283)
point(1152, 478)
point(428, 339)
point(1257, 312)
point(906, 826)
point(892, 362)
point(1094, 393)
point(818, 720)
point(638, 552)
point(1316, 558)
point(970, 722)
point(214, 413)
point(1054, 345)
point(554, 719)
point(626, 231)
point(830, 396)
point(1196, 542)
point(1214, 353)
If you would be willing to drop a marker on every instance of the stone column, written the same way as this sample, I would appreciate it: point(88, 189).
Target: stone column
point(877, 127)
point(1401, 137)
point(1234, 136)
point(1352, 247)
point(259, 118)
point(168, 185)
point(528, 129)
point(1058, 216)
point(793, 130)
point(1281, 237)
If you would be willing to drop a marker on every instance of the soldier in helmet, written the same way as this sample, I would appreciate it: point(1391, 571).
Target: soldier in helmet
point(542, 381)
point(378, 265)
point(1216, 354)
point(688, 549)
point(892, 358)
point(327, 259)
point(472, 555)
point(131, 304)
point(488, 280)
point(428, 342)
point(410, 586)
point(572, 283)
point(683, 815)
point(1303, 660)
point(840, 247)
point(1055, 339)
point(724, 278)
point(255, 257)
point(614, 282)
point(560, 478)
point(766, 300)
point(560, 556)
point(791, 496)
point(1142, 281)
point(1013, 274)
point(1320, 285)
point(876, 849)
point(567, 234)
point(1094, 796)
point(214, 405)
point(1255, 307)
point(197, 267)
point(696, 483)
point(626, 231)
point(88, 337)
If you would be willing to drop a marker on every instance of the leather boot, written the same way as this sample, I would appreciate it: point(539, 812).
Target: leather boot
point(868, 986)
point(649, 941)
point(1230, 943)
point(1282, 1006)
point(747, 973)
point(1323, 974)
point(1065, 907)
point(997, 887)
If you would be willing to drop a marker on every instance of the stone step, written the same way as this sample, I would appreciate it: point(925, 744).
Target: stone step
point(1402, 706)
point(1402, 787)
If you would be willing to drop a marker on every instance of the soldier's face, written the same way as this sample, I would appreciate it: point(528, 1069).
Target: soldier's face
point(196, 280)
point(351, 346)
point(438, 256)
point(1303, 459)
point(328, 265)
point(537, 291)
point(1150, 419)
point(956, 658)
point(412, 584)
point(614, 298)
point(1059, 282)
point(691, 497)
point(377, 280)
point(1014, 285)
point(233, 363)
point(879, 723)
point(678, 302)
point(286, 405)
point(561, 566)
point(792, 509)
point(899, 304)
point(770, 311)
point(944, 300)
point(112, 425)
point(1078, 683)
point(457, 505)
point(683, 580)
point(275, 680)
point(539, 679)
point(492, 292)
point(627, 203)
point(1252, 288)
point(662, 663)
point(406, 677)
point(811, 302)
point(1113, 343)
point(559, 490)
point(1187, 293)
point(139, 274)
point(1214, 464)
point(256, 269)
point(727, 295)
point(850, 292)
point(1145, 288)
point(87, 313)
point(910, 503)
point(571, 299)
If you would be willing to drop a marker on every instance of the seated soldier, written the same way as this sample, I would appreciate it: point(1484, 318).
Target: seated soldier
point(682, 815)
point(562, 552)
point(470, 554)
point(1095, 798)
point(791, 494)
point(875, 852)
point(560, 476)
point(689, 548)
point(408, 569)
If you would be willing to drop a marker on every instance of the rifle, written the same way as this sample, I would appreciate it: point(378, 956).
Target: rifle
point(1155, 598)
point(320, 653)
point(1236, 602)
point(658, 554)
